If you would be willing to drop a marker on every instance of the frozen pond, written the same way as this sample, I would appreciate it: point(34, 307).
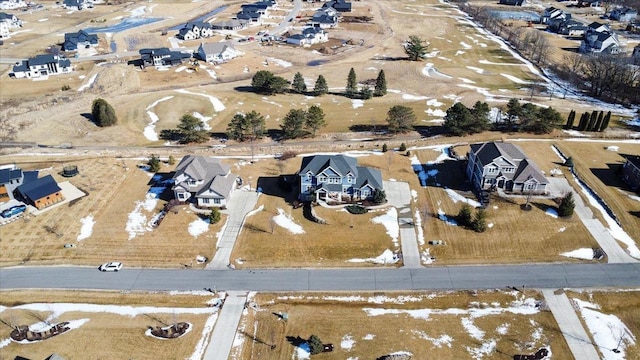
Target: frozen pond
point(125, 24)
point(517, 15)
point(201, 18)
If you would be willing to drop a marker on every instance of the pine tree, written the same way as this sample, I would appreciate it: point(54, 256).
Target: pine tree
point(570, 120)
point(605, 121)
point(103, 113)
point(293, 123)
point(315, 345)
point(352, 83)
point(314, 119)
point(416, 48)
point(592, 121)
point(214, 216)
point(567, 205)
point(298, 84)
point(402, 147)
point(321, 87)
point(479, 223)
point(154, 164)
point(381, 85)
point(464, 217)
point(385, 148)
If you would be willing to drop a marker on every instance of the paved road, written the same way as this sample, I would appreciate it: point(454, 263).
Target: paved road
point(570, 326)
point(224, 331)
point(433, 278)
point(615, 253)
point(241, 203)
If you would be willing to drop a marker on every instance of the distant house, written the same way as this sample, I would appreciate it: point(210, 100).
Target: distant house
point(41, 66)
point(512, 2)
point(503, 165)
point(4, 30)
point(309, 36)
point(339, 5)
point(80, 39)
point(78, 4)
point(10, 179)
point(8, 22)
point(195, 30)
point(324, 18)
point(624, 14)
point(203, 180)
point(216, 52)
point(631, 172)
point(337, 178)
point(254, 18)
point(600, 43)
point(233, 24)
point(551, 13)
point(588, 3)
point(12, 4)
point(598, 27)
point(571, 28)
point(162, 57)
point(41, 192)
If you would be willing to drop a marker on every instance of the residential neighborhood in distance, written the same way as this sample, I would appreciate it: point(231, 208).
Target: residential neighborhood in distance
point(319, 179)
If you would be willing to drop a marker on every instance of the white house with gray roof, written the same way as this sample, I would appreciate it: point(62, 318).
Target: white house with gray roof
point(308, 36)
point(204, 181)
point(41, 66)
point(337, 178)
point(12, 4)
point(503, 165)
point(217, 52)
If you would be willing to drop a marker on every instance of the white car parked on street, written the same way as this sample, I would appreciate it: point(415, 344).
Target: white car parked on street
point(110, 266)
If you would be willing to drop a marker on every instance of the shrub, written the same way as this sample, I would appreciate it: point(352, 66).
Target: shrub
point(288, 155)
point(214, 216)
point(171, 160)
point(480, 221)
point(464, 217)
point(65, 87)
point(569, 162)
point(385, 148)
point(103, 113)
point(315, 345)
point(356, 209)
point(379, 196)
point(154, 164)
point(403, 147)
point(567, 205)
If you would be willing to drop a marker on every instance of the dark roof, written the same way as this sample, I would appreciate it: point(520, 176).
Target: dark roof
point(42, 59)
point(39, 188)
point(156, 51)
point(340, 163)
point(30, 176)
point(488, 152)
point(4, 15)
point(635, 160)
point(339, 5)
point(369, 176)
point(21, 67)
point(248, 15)
point(6, 175)
point(64, 63)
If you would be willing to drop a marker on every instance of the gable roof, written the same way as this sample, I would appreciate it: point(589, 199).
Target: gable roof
point(216, 48)
point(5, 16)
point(486, 153)
point(6, 175)
point(200, 167)
point(42, 59)
point(369, 176)
point(340, 163)
point(220, 184)
point(634, 160)
point(528, 170)
point(39, 188)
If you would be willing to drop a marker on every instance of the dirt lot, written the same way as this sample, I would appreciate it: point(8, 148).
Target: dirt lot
point(110, 324)
point(428, 325)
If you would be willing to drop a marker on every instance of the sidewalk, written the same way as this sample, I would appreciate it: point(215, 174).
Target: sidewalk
point(226, 326)
point(241, 203)
point(570, 325)
point(399, 195)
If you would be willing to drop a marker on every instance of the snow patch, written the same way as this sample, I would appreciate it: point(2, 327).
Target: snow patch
point(390, 222)
point(582, 253)
point(198, 227)
point(87, 227)
point(347, 342)
point(286, 221)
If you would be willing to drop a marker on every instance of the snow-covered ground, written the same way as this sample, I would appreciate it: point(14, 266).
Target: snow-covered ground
point(150, 130)
point(582, 253)
point(390, 222)
point(87, 227)
point(455, 197)
point(286, 221)
point(198, 227)
point(88, 83)
point(387, 257)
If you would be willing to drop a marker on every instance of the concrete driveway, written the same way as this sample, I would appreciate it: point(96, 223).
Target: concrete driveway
point(399, 196)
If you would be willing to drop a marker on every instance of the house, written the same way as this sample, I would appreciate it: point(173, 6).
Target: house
point(195, 30)
point(503, 165)
point(233, 24)
point(10, 19)
point(253, 17)
point(203, 180)
point(41, 66)
point(337, 178)
point(600, 43)
point(12, 4)
point(338, 5)
point(41, 192)
point(598, 27)
point(162, 57)
point(217, 52)
point(80, 39)
point(572, 28)
point(10, 179)
point(588, 3)
point(631, 172)
point(309, 36)
point(324, 18)
point(512, 2)
point(624, 14)
point(553, 13)
point(78, 4)
point(4, 30)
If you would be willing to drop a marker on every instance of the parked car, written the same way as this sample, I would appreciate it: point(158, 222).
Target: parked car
point(69, 245)
point(110, 266)
point(13, 211)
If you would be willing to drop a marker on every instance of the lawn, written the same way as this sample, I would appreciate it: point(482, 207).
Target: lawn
point(453, 325)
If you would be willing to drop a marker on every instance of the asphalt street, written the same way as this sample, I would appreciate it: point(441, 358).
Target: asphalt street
point(380, 279)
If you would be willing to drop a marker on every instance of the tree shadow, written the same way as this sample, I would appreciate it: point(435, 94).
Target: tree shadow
point(635, 213)
point(88, 116)
point(429, 130)
point(390, 58)
point(296, 340)
point(246, 89)
point(448, 174)
point(282, 186)
point(162, 180)
point(154, 318)
point(254, 338)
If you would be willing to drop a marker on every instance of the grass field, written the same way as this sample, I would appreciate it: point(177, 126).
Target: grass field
point(453, 325)
point(114, 323)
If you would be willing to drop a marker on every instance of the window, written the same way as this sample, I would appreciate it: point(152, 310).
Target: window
point(322, 179)
point(509, 169)
point(217, 201)
point(365, 192)
point(205, 201)
point(191, 182)
point(180, 196)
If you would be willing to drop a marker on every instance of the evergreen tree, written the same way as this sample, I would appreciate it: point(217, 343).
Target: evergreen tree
point(315, 345)
point(458, 120)
point(605, 121)
point(416, 48)
point(381, 85)
point(569, 162)
point(479, 223)
point(544, 121)
point(314, 119)
point(379, 196)
point(246, 126)
point(514, 111)
point(293, 123)
point(567, 205)
point(321, 87)
point(265, 82)
point(480, 117)
point(402, 147)
point(154, 164)
point(400, 119)
point(464, 217)
point(298, 84)
point(103, 113)
point(171, 160)
point(366, 93)
point(214, 216)
point(352, 83)
point(192, 130)
point(570, 120)
point(385, 148)
point(592, 121)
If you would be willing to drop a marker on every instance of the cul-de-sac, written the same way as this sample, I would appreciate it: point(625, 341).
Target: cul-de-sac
point(320, 179)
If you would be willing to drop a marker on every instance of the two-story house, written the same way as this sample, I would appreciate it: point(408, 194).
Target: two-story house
point(631, 172)
point(232, 24)
point(503, 165)
point(339, 5)
point(80, 39)
point(624, 14)
point(195, 30)
point(599, 38)
point(203, 180)
point(162, 57)
point(41, 192)
point(309, 36)
point(553, 13)
point(10, 179)
point(12, 4)
point(219, 52)
point(337, 178)
point(41, 66)
point(324, 18)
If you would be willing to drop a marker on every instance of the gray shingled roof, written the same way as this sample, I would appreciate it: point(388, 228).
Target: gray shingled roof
point(340, 163)
point(488, 152)
point(220, 184)
point(216, 48)
point(369, 176)
point(201, 168)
